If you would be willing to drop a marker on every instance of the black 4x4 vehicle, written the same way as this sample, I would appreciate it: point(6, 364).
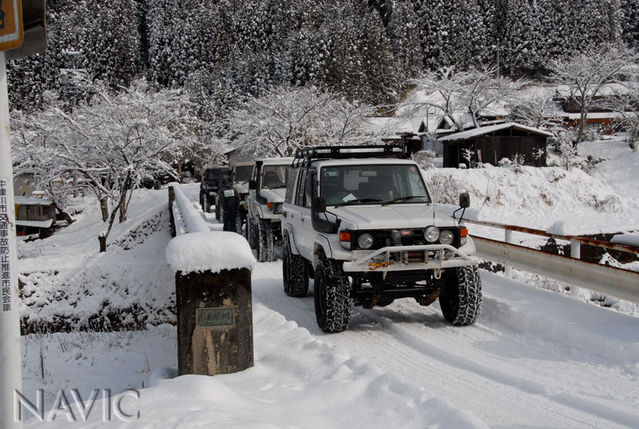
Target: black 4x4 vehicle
point(360, 220)
point(211, 181)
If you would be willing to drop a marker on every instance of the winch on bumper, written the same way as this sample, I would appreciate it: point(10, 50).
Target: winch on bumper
point(434, 257)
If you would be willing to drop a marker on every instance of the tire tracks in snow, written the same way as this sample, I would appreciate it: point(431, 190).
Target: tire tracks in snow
point(410, 339)
point(399, 340)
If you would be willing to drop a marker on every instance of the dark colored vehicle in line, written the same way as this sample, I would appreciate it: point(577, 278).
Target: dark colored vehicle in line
point(211, 181)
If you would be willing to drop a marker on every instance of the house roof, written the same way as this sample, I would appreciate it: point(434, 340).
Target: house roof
point(35, 223)
point(468, 134)
point(32, 201)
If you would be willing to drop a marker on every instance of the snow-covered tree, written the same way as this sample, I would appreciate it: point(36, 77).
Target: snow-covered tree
point(626, 105)
point(630, 23)
point(536, 110)
point(471, 92)
point(111, 143)
point(285, 119)
point(403, 32)
point(585, 74)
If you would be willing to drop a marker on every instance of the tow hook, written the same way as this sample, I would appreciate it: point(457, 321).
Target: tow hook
point(437, 273)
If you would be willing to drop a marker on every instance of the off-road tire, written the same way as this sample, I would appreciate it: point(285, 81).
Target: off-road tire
point(332, 296)
point(460, 297)
point(293, 272)
point(238, 223)
point(265, 241)
point(251, 232)
point(206, 206)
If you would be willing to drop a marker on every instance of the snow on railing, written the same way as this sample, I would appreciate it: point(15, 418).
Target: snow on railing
point(191, 217)
point(196, 248)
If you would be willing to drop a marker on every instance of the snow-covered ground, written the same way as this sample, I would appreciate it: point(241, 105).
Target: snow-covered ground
point(535, 358)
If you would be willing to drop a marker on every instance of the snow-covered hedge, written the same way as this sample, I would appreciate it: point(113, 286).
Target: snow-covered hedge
point(208, 251)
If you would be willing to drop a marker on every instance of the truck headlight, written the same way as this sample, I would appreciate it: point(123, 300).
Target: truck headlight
point(277, 208)
point(365, 241)
point(431, 234)
point(446, 237)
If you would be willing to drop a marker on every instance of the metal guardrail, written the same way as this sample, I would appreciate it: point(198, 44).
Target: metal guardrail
point(609, 280)
point(577, 240)
point(605, 279)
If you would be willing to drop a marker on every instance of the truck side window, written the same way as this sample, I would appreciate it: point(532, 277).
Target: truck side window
point(299, 189)
point(308, 188)
point(290, 184)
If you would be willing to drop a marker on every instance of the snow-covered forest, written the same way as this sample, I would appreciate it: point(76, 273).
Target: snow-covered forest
point(368, 51)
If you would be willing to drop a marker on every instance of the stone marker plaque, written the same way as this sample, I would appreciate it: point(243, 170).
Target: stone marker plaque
point(214, 317)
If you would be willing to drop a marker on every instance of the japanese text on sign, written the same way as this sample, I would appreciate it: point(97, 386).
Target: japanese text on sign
point(5, 266)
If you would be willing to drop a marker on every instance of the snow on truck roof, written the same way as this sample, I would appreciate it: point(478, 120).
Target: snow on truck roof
point(362, 161)
point(275, 161)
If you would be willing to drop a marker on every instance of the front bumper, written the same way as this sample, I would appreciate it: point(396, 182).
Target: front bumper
point(408, 258)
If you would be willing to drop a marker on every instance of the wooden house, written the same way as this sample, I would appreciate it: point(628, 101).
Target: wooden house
point(491, 143)
point(34, 215)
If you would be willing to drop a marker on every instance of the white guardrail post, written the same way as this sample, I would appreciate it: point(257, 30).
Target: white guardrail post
point(575, 249)
point(508, 238)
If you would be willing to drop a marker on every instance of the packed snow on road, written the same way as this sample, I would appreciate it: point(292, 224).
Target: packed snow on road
point(541, 354)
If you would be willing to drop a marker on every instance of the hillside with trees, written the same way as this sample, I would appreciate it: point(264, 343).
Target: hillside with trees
point(224, 50)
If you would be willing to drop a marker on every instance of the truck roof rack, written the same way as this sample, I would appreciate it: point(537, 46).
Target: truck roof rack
point(305, 156)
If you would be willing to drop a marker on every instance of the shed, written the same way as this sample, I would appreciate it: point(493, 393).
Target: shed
point(492, 143)
point(34, 215)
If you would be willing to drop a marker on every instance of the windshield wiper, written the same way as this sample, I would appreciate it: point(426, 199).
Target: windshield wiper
point(359, 201)
point(401, 199)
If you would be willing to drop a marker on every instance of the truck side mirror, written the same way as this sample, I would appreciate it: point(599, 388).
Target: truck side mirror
point(318, 205)
point(252, 184)
point(464, 200)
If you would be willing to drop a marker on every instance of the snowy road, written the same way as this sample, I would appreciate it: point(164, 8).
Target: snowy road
point(534, 359)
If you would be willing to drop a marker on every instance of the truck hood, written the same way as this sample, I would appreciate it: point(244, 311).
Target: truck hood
point(273, 195)
point(391, 216)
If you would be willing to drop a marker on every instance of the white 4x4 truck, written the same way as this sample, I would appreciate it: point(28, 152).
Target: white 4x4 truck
point(264, 203)
point(360, 221)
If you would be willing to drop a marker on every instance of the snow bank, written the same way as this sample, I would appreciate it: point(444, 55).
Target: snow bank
point(549, 198)
point(209, 251)
point(297, 381)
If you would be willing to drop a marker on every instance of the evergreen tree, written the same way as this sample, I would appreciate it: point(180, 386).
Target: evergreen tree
point(110, 41)
point(403, 32)
point(630, 23)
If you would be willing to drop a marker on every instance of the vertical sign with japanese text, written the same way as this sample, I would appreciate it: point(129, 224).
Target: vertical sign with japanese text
point(5, 266)
point(11, 31)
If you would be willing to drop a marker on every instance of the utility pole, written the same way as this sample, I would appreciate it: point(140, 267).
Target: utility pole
point(12, 35)
point(10, 353)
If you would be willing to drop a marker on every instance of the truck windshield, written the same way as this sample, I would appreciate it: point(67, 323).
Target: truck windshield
point(372, 184)
point(243, 173)
point(213, 175)
point(275, 176)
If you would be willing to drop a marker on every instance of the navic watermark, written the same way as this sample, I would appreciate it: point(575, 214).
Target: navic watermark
point(71, 405)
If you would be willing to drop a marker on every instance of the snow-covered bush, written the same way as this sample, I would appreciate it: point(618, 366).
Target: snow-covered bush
point(425, 158)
